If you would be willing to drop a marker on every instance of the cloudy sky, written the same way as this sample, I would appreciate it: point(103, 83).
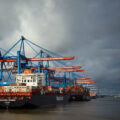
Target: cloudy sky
point(87, 29)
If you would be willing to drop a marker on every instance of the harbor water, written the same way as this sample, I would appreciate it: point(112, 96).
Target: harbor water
point(107, 108)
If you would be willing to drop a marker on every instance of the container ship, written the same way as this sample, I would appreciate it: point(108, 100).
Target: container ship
point(42, 80)
point(30, 90)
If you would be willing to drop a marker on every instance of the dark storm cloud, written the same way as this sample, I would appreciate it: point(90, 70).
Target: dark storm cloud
point(94, 35)
point(91, 21)
point(88, 29)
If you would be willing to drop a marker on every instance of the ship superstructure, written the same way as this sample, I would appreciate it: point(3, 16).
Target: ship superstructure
point(31, 79)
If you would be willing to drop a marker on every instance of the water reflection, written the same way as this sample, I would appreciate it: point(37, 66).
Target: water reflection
point(98, 109)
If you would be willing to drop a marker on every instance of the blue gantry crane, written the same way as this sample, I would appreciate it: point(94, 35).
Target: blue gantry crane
point(15, 60)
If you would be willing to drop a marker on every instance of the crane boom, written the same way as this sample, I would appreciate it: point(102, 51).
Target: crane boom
point(49, 68)
point(66, 67)
point(84, 81)
point(69, 70)
point(40, 59)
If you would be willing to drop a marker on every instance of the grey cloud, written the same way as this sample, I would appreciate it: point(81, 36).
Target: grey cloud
point(9, 19)
point(87, 29)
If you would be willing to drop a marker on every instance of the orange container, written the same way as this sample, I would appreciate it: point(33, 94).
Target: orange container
point(13, 84)
point(2, 87)
point(28, 71)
